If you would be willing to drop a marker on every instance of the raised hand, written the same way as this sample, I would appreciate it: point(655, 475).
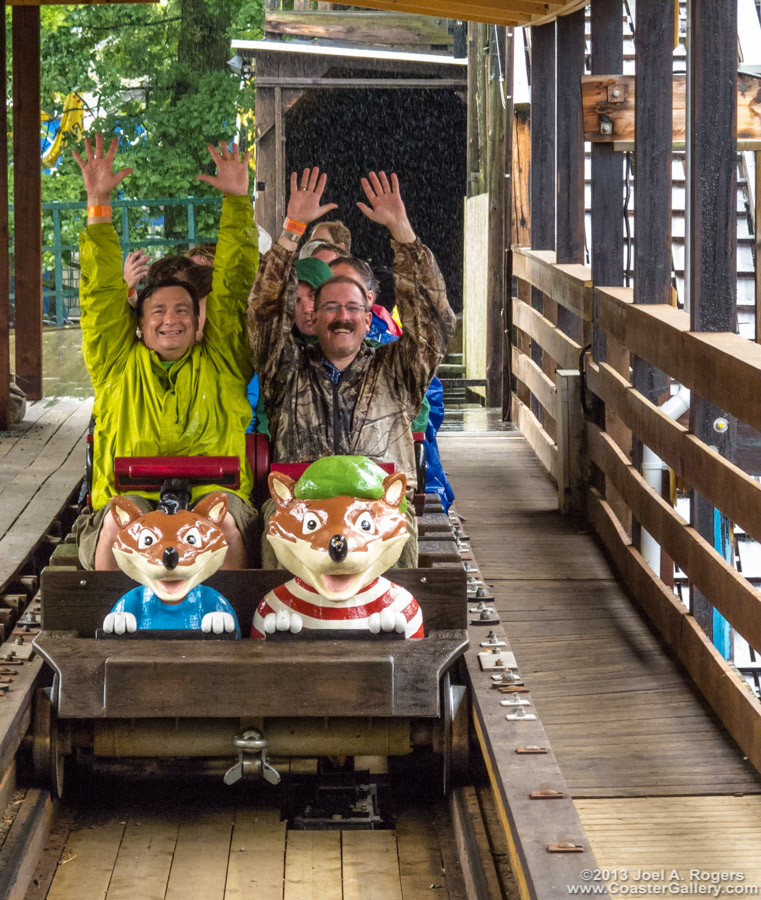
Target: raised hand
point(386, 206)
point(135, 268)
point(232, 171)
point(98, 171)
point(305, 202)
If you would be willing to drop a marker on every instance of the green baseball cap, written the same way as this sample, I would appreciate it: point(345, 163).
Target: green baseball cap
point(314, 271)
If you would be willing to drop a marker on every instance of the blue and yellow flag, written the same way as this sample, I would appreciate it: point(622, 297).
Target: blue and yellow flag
point(70, 130)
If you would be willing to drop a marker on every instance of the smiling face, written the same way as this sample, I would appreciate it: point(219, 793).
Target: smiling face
point(305, 308)
point(168, 323)
point(341, 319)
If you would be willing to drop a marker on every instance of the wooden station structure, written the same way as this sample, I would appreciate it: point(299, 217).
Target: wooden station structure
point(579, 361)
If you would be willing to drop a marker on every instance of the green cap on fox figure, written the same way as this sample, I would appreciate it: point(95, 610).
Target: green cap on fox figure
point(342, 476)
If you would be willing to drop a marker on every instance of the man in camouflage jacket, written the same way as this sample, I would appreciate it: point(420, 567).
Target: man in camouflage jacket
point(341, 395)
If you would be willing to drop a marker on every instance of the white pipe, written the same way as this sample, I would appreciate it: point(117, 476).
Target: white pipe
point(652, 468)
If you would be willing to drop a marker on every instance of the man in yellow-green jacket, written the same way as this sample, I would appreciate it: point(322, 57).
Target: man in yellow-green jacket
point(157, 392)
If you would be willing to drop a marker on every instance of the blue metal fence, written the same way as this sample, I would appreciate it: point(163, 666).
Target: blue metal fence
point(61, 294)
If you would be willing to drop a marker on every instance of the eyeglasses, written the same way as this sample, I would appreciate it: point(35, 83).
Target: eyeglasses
point(352, 309)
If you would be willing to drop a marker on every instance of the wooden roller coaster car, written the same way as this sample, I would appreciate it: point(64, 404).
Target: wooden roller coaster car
point(304, 696)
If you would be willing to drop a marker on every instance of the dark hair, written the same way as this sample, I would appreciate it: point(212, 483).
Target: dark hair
point(167, 267)
point(338, 232)
point(358, 265)
point(340, 279)
point(200, 277)
point(153, 286)
point(386, 295)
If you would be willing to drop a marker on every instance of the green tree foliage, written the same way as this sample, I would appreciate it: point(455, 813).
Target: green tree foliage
point(157, 76)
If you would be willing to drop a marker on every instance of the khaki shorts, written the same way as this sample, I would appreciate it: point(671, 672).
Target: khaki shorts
point(87, 526)
point(408, 559)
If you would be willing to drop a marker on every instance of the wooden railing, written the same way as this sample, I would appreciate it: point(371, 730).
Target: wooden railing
point(722, 368)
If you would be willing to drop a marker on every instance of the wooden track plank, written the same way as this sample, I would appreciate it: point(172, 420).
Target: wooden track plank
point(256, 870)
point(144, 860)
point(313, 865)
point(88, 860)
point(421, 869)
point(370, 866)
point(199, 866)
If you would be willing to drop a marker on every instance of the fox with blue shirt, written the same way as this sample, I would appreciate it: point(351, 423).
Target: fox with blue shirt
point(170, 551)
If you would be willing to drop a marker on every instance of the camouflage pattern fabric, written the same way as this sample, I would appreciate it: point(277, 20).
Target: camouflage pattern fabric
point(369, 412)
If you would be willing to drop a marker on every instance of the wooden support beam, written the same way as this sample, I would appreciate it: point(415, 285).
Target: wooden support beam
point(609, 108)
point(403, 84)
point(570, 139)
point(498, 240)
point(5, 270)
point(398, 29)
point(27, 181)
point(712, 250)
point(652, 185)
point(607, 167)
point(474, 146)
point(542, 171)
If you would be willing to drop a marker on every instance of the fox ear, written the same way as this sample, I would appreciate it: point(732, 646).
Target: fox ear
point(213, 507)
point(281, 488)
point(394, 487)
point(124, 511)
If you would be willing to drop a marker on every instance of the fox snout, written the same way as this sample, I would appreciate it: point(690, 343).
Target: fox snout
point(170, 558)
point(338, 548)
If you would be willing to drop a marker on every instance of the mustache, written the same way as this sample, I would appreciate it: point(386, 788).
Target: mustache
point(345, 325)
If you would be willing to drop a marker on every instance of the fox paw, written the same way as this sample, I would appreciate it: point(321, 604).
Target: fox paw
point(217, 622)
point(387, 620)
point(120, 623)
point(283, 620)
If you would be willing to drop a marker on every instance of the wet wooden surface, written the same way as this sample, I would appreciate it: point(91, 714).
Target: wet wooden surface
point(623, 719)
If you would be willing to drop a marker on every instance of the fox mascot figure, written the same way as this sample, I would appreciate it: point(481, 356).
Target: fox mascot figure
point(170, 551)
point(337, 529)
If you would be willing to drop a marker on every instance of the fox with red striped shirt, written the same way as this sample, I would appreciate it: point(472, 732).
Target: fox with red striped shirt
point(337, 530)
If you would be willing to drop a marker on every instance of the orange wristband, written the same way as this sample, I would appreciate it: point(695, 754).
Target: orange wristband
point(296, 227)
point(98, 212)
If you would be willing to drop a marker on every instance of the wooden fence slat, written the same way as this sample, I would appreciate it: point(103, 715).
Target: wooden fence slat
point(542, 387)
point(719, 366)
point(722, 483)
point(726, 588)
point(568, 284)
point(562, 349)
point(722, 687)
point(541, 443)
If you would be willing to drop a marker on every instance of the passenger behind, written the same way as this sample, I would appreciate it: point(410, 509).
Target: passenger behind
point(161, 393)
point(332, 232)
point(311, 273)
point(322, 250)
point(340, 395)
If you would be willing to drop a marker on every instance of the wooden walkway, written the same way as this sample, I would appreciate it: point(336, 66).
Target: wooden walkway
point(41, 461)
point(640, 751)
